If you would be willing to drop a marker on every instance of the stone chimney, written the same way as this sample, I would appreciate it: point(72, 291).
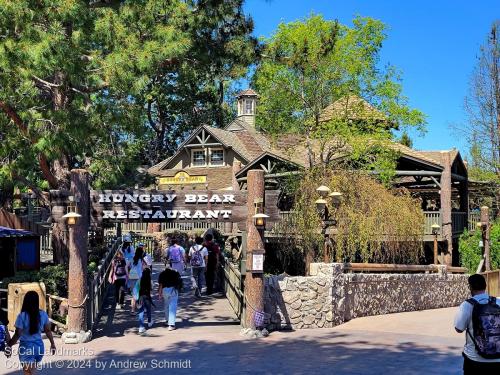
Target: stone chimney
point(247, 105)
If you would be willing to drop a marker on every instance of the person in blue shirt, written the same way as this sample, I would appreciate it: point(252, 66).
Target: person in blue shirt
point(30, 324)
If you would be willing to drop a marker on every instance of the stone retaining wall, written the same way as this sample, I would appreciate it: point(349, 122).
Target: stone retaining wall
point(329, 297)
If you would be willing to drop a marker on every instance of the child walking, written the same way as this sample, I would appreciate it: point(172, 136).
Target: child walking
point(144, 301)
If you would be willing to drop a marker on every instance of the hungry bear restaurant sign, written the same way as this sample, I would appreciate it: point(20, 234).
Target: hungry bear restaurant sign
point(161, 206)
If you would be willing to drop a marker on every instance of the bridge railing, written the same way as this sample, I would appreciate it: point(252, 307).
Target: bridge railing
point(233, 287)
point(98, 285)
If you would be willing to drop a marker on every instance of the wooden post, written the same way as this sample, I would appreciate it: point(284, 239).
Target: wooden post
point(446, 226)
point(233, 228)
point(78, 235)
point(435, 249)
point(485, 230)
point(254, 282)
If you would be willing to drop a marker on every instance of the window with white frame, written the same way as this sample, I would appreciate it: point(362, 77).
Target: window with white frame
point(198, 158)
point(248, 107)
point(216, 156)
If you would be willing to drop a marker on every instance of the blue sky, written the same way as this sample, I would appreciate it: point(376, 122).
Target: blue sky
point(434, 43)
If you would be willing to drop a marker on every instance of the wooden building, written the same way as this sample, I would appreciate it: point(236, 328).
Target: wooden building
point(213, 158)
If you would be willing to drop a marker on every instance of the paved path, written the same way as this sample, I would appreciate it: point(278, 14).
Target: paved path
point(208, 342)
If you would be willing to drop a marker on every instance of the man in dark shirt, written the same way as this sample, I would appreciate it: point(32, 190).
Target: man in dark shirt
point(212, 262)
point(170, 284)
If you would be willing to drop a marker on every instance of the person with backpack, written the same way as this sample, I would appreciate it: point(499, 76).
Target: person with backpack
point(118, 277)
point(212, 262)
point(479, 317)
point(135, 270)
point(30, 324)
point(142, 292)
point(176, 256)
point(198, 255)
point(169, 287)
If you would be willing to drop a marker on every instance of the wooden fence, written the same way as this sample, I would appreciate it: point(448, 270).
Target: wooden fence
point(377, 267)
point(492, 282)
point(233, 287)
point(98, 285)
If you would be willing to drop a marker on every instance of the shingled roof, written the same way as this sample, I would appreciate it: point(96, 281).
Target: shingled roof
point(352, 107)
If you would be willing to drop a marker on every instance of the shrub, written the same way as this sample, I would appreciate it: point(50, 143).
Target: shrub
point(471, 253)
point(55, 279)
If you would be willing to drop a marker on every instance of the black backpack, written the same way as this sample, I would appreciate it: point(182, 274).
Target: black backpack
point(486, 327)
point(120, 268)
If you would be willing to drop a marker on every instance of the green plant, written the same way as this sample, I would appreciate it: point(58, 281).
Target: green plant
point(471, 253)
point(55, 279)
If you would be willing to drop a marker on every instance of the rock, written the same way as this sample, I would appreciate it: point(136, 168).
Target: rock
point(265, 332)
point(309, 319)
point(321, 281)
point(296, 305)
point(329, 316)
point(295, 314)
point(290, 297)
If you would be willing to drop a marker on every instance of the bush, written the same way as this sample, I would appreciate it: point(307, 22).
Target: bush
point(55, 279)
point(470, 252)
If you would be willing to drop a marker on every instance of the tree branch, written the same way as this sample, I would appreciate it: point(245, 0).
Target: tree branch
point(44, 165)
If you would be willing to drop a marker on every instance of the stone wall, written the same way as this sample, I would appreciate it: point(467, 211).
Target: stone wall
point(329, 297)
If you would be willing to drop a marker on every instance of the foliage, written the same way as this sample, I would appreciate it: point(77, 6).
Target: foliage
point(374, 224)
point(471, 253)
point(55, 279)
point(310, 64)
point(483, 109)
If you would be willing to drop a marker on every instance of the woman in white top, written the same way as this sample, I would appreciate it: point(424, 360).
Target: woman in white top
point(135, 269)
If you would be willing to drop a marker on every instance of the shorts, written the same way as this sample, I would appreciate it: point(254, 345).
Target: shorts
point(31, 352)
point(131, 283)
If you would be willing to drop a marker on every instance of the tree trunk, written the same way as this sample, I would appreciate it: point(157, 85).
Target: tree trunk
point(446, 208)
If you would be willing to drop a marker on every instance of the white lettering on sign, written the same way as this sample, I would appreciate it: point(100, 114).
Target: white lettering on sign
point(146, 214)
point(145, 198)
point(225, 213)
point(157, 198)
point(212, 214)
point(108, 214)
point(171, 214)
point(202, 198)
point(198, 215)
point(190, 198)
point(184, 214)
point(215, 199)
point(117, 198)
point(120, 214)
point(133, 214)
point(104, 198)
point(170, 197)
point(131, 198)
point(228, 198)
point(158, 215)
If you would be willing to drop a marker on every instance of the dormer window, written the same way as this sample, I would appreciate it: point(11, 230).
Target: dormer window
point(198, 158)
point(216, 156)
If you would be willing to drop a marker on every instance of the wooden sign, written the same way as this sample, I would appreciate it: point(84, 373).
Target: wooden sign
point(171, 205)
point(182, 178)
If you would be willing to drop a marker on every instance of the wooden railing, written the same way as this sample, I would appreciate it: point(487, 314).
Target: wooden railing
point(98, 285)
point(51, 300)
point(492, 282)
point(377, 267)
point(233, 287)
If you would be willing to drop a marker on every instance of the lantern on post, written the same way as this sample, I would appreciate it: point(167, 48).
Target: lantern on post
point(322, 208)
point(71, 215)
point(259, 218)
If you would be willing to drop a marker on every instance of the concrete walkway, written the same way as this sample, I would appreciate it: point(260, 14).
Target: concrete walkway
point(208, 342)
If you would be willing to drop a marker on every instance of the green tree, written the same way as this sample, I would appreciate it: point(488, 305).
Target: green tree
point(483, 109)
point(173, 61)
point(471, 253)
point(311, 64)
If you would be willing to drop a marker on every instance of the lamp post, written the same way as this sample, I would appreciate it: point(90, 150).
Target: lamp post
point(435, 231)
point(325, 193)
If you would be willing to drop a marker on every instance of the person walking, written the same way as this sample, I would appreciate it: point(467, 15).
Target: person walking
point(118, 277)
point(135, 273)
point(169, 286)
point(176, 256)
point(127, 249)
point(30, 324)
point(198, 255)
point(212, 262)
point(144, 301)
point(479, 317)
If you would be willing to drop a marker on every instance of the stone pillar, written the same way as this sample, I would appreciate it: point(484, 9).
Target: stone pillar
point(446, 229)
point(77, 280)
point(254, 283)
